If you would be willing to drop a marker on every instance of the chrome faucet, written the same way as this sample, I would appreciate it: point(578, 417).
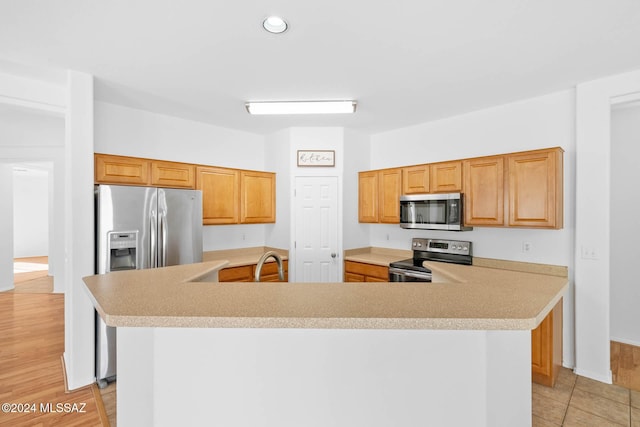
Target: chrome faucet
point(263, 258)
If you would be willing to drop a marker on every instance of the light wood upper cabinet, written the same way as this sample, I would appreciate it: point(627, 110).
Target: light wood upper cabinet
point(110, 169)
point(368, 196)
point(257, 197)
point(446, 177)
point(390, 186)
point(173, 174)
point(121, 170)
point(536, 189)
point(379, 196)
point(484, 191)
point(220, 194)
point(415, 179)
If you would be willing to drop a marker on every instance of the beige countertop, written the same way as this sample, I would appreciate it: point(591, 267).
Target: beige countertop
point(474, 297)
point(376, 256)
point(244, 256)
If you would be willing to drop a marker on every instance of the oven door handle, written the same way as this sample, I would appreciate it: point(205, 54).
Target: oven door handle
point(414, 274)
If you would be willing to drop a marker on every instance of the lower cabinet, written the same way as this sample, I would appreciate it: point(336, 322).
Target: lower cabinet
point(546, 348)
point(246, 273)
point(362, 272)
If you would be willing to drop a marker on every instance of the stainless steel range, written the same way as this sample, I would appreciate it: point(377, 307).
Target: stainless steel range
point(411, 270)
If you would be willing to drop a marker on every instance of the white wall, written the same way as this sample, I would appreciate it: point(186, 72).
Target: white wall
point(625, 205)
point(357, 155)
point(593, 178)
point(277, 153)
point(130, 132)
point(6, 229)
point(30, 213)
point(542, 122)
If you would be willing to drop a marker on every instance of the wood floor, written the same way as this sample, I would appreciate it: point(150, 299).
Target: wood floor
point(625, 365)
point(31, 372)
point(37, 281)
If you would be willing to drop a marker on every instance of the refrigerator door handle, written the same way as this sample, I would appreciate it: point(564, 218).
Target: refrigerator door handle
point(163, 245)
point(153, 234)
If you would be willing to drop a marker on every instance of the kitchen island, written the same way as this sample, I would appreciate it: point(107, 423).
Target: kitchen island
point(195, 352)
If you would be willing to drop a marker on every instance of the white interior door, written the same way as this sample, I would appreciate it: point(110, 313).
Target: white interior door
point(316, 229)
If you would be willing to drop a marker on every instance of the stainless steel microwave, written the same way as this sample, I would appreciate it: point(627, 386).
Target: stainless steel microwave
point(433, 212)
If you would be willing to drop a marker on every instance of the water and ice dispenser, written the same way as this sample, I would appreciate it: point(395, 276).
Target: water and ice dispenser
point(122, 250)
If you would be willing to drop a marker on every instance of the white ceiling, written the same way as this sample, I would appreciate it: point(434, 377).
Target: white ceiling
point(405, 62)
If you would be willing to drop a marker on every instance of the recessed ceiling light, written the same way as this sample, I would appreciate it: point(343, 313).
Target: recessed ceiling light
point(301, 107)
point(275, 25)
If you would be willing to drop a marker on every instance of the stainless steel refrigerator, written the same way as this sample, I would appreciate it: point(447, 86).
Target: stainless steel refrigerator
point(141, 227)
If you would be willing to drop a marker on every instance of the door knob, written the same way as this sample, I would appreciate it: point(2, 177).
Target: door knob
point(333, 255)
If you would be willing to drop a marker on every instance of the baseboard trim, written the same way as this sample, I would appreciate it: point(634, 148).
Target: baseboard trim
point(607, 378)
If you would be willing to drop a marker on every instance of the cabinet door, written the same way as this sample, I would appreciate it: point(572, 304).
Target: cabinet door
point(546, 348)
point(352, 277)
point(415, 179)
point(446, 177)
point(173, 174)
point(390, 185)
point(121, 170)
point(368, 196)
point(535, 189)
point(220, 195)
point(257, 197)
point(484, 191)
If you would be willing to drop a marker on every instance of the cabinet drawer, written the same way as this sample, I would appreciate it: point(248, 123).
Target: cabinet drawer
point(376, 271)
point(236, 274)
point(351, 277)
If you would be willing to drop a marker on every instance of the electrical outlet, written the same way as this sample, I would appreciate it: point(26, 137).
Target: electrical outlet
point(588, 252)
point(526, 247)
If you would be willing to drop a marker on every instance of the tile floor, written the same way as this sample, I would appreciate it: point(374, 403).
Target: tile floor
point(579, 401)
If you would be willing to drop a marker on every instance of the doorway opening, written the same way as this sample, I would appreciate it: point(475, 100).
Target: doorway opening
point(32, 204)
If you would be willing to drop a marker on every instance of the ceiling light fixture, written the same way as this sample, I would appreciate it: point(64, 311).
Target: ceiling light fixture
point(275, 25)
point(301, 107)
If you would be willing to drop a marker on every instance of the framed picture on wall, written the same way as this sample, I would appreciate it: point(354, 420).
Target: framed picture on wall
point(325, 158)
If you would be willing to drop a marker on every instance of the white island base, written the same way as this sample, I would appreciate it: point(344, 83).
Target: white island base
point(323, 377)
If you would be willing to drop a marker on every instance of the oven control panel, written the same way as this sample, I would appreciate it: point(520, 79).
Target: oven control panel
point(456, 247)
